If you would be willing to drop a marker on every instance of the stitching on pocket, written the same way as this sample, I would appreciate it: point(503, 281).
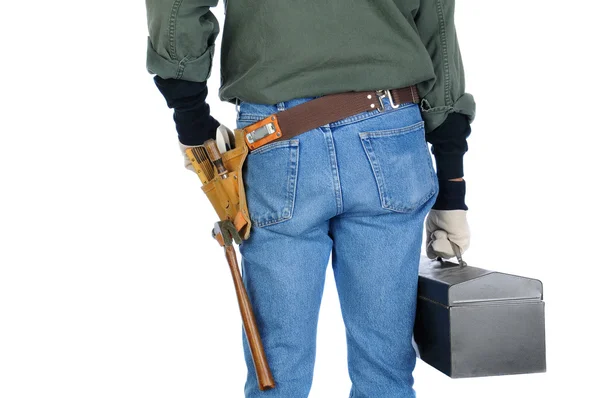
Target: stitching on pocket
point(396, 131)
point(249, 118)
point(285, 209)
point(275, 144)
point(374, 168)
point(408, 181)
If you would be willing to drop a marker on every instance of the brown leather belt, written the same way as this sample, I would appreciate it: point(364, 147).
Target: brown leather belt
point(322, 110)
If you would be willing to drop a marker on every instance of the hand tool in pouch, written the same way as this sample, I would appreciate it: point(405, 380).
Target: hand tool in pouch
point(474, 322)
point(221, 176)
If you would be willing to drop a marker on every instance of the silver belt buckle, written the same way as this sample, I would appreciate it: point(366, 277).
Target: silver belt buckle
point(389, 95)
point(384, 93)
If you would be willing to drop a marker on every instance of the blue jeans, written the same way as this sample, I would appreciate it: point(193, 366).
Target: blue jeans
point(358, 189)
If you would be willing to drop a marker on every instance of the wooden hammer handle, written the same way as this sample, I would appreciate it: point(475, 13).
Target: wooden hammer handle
point(263, 372)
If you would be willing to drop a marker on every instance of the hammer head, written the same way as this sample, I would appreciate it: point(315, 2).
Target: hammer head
point(227, 231)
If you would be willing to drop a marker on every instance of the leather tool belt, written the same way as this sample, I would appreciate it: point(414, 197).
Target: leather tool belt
point(322, 110)
point(227, 195)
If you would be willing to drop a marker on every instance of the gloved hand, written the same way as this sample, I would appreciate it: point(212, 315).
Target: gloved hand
point(186, 161)
point(222, 132)
point(443, 226)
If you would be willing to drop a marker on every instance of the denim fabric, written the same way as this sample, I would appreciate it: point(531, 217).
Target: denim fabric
point(357, 189)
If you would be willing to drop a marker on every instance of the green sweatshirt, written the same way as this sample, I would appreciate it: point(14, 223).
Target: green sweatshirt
point(277, 50)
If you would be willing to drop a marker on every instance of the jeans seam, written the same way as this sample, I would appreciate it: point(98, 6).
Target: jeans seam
point(335, 169)
point(374, 168)
point(292, 181)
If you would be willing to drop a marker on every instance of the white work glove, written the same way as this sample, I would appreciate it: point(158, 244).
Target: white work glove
point(186, 161)
point(222, 132)
point(443, 227)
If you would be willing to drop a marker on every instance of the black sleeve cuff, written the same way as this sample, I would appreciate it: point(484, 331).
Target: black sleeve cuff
point(449, 144)
point(191, 113)
point(451, 196)
point(449, 166)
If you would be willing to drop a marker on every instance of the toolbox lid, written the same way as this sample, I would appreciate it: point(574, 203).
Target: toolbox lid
point(449, 284)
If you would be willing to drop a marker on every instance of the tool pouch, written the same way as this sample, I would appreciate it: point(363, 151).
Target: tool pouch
point(227, 195)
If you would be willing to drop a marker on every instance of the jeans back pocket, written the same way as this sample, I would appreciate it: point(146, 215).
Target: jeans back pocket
point(270, 175)
point(402, 166)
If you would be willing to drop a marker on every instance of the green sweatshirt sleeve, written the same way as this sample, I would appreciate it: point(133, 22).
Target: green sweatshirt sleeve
point(181, 41)
point(446, 92)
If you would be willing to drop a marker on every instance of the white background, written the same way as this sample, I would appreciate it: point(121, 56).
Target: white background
point(110, 283)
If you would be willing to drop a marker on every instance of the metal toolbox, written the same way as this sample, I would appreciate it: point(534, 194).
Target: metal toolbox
point(473, 322)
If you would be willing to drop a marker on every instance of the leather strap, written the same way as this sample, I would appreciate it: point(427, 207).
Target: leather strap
point(322, 110)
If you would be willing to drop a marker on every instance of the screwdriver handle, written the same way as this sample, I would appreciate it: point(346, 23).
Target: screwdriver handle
point(215, 156)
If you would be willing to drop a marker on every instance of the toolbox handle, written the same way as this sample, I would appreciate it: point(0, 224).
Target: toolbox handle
point(461, 262)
